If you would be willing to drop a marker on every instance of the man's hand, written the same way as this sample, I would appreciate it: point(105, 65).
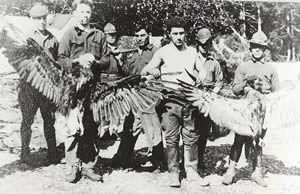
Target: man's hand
point(247, 89)
point(216, 90)
point(154, 72)
point(115, 51)
point(257, 84)
point(85, 60)
point(254, 82)
point(144, 72)
point(251, 78)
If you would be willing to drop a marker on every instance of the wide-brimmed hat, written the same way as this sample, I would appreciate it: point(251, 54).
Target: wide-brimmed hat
point(203, 35)
point(259, 38)
point(109, 29)
point(39, 10)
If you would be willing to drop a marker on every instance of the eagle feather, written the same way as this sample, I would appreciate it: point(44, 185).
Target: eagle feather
point(249, 115)
point(110, 100)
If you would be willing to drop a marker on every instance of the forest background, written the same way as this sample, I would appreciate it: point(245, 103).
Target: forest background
point(234, 21)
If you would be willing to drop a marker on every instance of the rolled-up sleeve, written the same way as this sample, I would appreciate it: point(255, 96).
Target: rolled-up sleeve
point(275, 82)
point(103, 62)
point(218, 75)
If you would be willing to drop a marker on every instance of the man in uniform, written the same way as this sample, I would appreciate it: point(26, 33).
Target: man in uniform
point(115, 55)
point(265, 80)
point(84, 45)
point(213, 81)
point(30, 99)
point(134, 62)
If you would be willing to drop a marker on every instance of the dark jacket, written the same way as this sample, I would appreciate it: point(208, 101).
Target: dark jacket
point(76, 42)
point(114, 64)
point(134, 62)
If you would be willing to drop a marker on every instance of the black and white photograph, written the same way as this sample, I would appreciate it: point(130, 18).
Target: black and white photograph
point(149, 96)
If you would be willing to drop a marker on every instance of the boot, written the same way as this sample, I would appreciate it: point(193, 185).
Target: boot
point(257, 175)
point(230, 173)
point(190, 165)
point(158, 158)
point(49, 132)
point(248, 151)
point(52, 153)
point(89, 173)
point(25, 141)
point(73, 175)
point(25, 155)
point(173, 166)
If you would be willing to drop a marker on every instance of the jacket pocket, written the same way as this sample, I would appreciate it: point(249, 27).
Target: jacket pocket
point(95, 49)
point(77, 47)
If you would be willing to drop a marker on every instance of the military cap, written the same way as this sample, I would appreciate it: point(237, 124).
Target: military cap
point(38, 10)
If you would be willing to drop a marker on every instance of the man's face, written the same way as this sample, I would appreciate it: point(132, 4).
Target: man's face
point(257, 52)
point(111, 38)
point(177, 36)
point(142, 37)
point(40, 23)
point(205, 47)
point(83, 13)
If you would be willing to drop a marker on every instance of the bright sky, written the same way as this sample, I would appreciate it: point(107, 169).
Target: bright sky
point(286, 1)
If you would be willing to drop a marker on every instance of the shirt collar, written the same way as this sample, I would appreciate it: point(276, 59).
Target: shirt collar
point(258, 61)
point(110, 46)
point(207, 56)
point(79, 28)
point(39, 37)
point(35, 32)
point(148, 47)
point(174, 47)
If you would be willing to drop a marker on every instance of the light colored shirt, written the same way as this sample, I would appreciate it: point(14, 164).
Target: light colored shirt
point(169, 60)
point(47, 41)
point(265, 71)
point(214, 74)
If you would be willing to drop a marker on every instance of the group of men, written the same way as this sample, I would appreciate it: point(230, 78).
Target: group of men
point(86, 45)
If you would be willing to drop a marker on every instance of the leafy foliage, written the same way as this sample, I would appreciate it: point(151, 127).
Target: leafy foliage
point(218, 15)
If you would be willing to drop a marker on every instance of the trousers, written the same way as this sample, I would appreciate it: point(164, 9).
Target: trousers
point(30, 101)
point(83, 150)
point(175, 121)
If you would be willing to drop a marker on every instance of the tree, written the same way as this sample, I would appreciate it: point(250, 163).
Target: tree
point(280, 21)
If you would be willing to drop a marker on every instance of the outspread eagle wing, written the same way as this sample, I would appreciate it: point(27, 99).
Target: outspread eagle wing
point(41, 71)
point(242, 116)
point(283, 107)
point(31, 61)
point(112, 101)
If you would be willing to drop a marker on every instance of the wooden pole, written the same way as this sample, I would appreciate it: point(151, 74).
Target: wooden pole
point(292, 34)
point(243, 18)
point(288, 29)
point(259, 18)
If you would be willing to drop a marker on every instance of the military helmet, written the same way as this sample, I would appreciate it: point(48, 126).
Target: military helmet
point(259, 38)
point(109, 28)
point(203, 35)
